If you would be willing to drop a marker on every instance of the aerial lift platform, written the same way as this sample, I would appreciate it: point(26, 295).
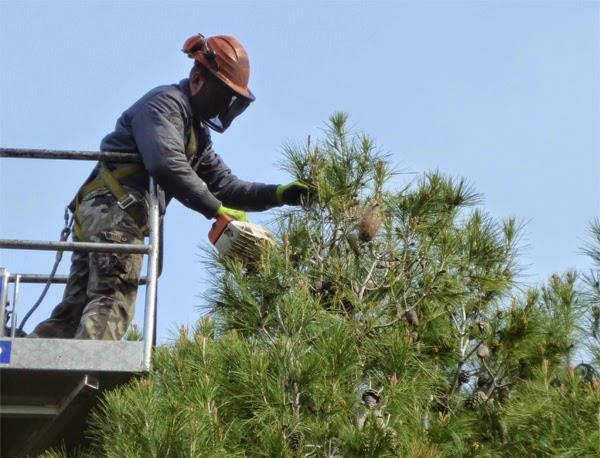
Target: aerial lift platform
point(49, 386)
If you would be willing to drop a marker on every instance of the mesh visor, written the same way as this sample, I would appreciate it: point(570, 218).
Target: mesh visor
point(236, 107)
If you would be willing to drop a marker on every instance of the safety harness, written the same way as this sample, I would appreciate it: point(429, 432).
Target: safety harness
point(113, 181)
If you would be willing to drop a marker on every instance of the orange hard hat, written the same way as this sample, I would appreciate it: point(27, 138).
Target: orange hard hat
point(225, 57)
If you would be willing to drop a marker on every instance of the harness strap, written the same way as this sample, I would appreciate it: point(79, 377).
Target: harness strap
point(192, 144)
point(121, 172)
point(125, 200)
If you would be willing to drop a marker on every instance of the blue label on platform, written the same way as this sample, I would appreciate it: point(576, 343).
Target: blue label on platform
point(5, 349)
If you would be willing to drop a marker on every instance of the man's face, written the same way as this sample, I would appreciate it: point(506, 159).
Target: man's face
point(214, 103)
point(210, 96)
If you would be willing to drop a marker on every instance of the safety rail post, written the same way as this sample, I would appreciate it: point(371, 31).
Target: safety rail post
point(4, 274)
point(13, 314)
point(151, 275)
point(152, 249)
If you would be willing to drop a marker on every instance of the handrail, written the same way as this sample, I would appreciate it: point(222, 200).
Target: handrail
point(74, 246)
point(41, 278)
point(151, 249)
point(110, 156)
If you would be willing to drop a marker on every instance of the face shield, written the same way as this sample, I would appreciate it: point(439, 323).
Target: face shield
point(236, 106)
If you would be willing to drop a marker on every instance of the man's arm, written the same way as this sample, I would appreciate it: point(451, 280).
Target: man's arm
point(231, 190)
point(158, 129)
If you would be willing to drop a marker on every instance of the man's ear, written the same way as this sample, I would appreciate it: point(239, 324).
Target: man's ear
point(196, 82)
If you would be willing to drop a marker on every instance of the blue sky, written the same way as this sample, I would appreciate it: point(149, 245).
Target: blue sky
point(506, 94)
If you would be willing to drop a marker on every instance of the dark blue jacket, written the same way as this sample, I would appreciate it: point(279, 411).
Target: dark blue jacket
point(158, 127)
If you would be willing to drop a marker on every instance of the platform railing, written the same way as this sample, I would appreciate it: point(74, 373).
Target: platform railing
point(151, 249)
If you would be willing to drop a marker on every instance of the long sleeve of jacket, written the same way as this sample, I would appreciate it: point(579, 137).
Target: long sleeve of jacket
point(231, 190)
point(158, 130)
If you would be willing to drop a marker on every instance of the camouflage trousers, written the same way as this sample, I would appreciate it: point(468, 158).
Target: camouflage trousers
point(99, 298)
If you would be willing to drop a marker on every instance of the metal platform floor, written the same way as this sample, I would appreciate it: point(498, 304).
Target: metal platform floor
point(48, 387)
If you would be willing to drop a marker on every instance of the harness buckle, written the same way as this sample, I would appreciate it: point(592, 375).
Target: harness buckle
point(127, 202)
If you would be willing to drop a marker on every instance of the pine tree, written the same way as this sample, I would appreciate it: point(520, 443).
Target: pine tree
point(384, 322)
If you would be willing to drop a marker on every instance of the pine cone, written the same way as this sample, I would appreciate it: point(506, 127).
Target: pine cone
point(484, 381)
point(470, 403)
point(348, 306)
point(326, 289)
point(478, 398)
point(524, 369)
point(392, 437)
point(370, 398)
point(463, 377)
point(503, 395)
point(295, 440)
point(369, 224)
point(411, 317)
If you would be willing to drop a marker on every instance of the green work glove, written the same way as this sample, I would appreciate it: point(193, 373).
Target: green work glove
point(232, 213)
point(293, 193)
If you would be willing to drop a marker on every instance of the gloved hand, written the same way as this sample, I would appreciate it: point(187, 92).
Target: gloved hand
point(232, 213)
point(293, 193)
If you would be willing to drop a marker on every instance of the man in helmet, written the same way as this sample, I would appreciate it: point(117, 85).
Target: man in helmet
point(169, 128)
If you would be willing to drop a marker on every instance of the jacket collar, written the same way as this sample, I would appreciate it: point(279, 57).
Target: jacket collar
point(184, 85)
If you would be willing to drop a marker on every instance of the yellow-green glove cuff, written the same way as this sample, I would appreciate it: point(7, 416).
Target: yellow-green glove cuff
point(232, 213)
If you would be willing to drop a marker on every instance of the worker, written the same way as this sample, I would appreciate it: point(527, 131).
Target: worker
point(169, 128)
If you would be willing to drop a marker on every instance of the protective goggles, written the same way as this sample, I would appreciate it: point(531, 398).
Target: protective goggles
point(237, 105)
